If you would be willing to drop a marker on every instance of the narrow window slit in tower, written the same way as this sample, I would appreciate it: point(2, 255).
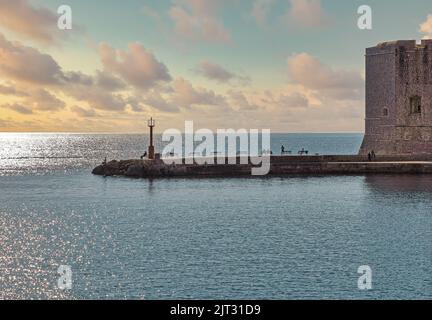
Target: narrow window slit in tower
point(415, 105)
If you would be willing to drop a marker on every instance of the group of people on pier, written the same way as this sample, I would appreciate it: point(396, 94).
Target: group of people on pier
point(301, 152)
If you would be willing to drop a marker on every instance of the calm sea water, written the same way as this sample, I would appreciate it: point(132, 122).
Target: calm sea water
point(260, 238)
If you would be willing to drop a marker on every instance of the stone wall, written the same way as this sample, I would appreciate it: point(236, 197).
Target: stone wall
point(280, 166)
point(399, 98)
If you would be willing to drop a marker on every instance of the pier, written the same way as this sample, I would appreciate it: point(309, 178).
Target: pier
point(279, 166)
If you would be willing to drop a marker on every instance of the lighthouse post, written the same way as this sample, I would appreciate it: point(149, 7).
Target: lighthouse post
point(151, 149)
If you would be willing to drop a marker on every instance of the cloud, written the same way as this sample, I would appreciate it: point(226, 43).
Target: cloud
point(268, 101)
point(36, 23)
point(155, 100)
point(181, 96)
point(84, 113)
point(96, 97)
point(123, 70)
point(44, 100)
point(213, 71)
point(137, 65)
point(307, 13)
point(185, 95)
point(296, 100)
point(5, 123)
point(107, 81)
point(239, 101)
point(77, 77)
point(261, 10)
point(426, 27)
point(196, 20)
point(309, 72)
point(36, 99)
point(27, 64)
point(10, 90)
point(99, 92)
point(18, 108)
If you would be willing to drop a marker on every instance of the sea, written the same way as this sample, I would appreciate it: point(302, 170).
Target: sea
point(67, 234)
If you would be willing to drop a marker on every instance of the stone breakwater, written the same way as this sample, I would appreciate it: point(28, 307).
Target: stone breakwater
point(279, 166)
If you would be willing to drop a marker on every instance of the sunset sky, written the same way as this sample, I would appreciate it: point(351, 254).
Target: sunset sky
point(286, 65)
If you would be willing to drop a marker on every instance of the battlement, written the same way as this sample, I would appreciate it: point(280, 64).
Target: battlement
point(391, 47)
point(427, 42)
point(398, 43)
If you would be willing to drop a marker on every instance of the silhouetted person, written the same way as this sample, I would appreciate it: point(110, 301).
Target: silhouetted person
point(373, 155)
point(282, 149)
point(369, 156)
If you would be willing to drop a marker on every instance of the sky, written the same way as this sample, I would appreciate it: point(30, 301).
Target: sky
point(284, 65)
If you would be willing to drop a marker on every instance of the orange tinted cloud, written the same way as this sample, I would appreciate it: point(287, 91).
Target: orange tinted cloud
point(311, 73)
point(197, 20)
point(186, 95)
point(36, 23)
point(307, 13)
point(138, 66)
point(426, 27)
point(24, 63)
point(17, 108)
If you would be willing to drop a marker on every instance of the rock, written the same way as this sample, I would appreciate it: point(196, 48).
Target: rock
point(99, 170)
point(112, 168)
point(135, 171)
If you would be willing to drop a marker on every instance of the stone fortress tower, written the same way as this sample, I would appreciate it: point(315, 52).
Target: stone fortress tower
point(399, 98)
